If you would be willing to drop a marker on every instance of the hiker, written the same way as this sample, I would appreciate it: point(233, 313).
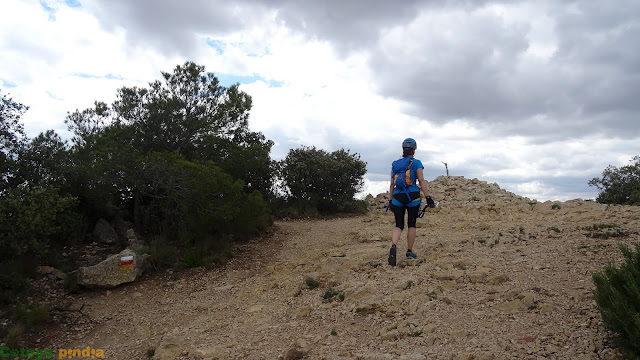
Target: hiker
point(404, 196)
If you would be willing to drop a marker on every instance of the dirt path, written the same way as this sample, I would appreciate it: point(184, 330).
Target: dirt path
point(497, 278)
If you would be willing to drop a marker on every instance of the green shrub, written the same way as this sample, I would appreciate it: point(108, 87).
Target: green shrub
point(162, 254)
point(14, 336)
point(14, 275)
point(408, 285)
point(619, 185)
point(327, 182)
point(31, 219)
point(193, 202)
point(617, 296)
point(556, 207)
point(330, 294)
point(194, 257)
point(311, 282)
point(30, 315)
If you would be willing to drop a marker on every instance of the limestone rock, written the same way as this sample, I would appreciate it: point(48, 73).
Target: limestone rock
point(104, 232)
point(391, 335)
point(512, 306)
point(44, 270)
point(132, 239)
point(498, 279)
point(169, 348)
point(113, 271)
point(294, 354)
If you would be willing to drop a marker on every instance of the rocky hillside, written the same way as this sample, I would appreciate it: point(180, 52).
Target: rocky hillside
point(498, 276)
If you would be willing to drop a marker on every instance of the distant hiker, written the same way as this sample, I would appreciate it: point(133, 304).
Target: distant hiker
point(404, 195)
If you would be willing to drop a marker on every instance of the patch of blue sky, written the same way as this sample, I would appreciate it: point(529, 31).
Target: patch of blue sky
point(51, 95)
point(86, 76)
point(267, 51)
point(275, 83)
point(227, 80)
point(49, 10)
point(113, 77)
point(8, 84)
point(218, 45)
point(73, 3)
point(91, 76)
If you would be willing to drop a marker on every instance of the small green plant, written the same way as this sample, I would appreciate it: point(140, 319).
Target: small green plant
point(151, 353)
point(366, 310)
point(408, 285)
point(175, 275)
point(532, 204)
point(30, 315)
point(554, 229)
point(334, 332)
point(482, 241)
point(500, 234)
point(193, 257)
point(311, 282)
point(492, 207)
point(330, 294)
point(604, 226)
point(604, 231)
point(14, 336)
point(475, 198)
point(521, 230)
point(617, 295)
point(556, 207)
point(415, 333)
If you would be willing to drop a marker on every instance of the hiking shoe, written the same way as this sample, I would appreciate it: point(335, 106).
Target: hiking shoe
point(392, 256)
point(411, 255)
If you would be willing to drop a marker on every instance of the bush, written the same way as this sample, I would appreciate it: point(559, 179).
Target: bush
point(311, 282)
point(161, 253)
point(619, 185)
point(326, 182)
point(617, 295)
point(191, 202)
point(33, 218)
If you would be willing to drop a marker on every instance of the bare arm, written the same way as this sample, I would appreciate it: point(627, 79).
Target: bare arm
point(423, 183)
point(391, 187)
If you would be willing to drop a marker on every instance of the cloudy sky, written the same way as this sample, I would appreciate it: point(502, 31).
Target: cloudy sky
point(538, 96)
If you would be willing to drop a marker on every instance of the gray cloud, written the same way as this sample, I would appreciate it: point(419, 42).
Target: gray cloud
point(171, 26)
point(451, 60)
point(476, 68)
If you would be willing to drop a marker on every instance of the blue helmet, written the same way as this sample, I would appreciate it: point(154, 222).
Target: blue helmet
point(409, 143)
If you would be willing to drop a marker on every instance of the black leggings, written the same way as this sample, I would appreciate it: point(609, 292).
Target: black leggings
point(398, 213)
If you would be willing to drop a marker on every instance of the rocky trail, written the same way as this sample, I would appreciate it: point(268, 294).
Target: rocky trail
point(498, 277)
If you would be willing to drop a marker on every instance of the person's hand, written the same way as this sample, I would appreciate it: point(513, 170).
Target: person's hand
point(430, 202)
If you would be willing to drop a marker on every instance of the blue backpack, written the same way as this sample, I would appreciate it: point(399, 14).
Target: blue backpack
point(405, 175)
